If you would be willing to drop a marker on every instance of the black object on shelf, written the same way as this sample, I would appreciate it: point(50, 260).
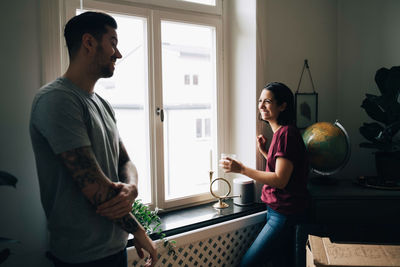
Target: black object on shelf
point(376, 183)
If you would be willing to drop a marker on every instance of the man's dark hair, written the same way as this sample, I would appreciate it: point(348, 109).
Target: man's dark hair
point(89, 22)
point(282, 94)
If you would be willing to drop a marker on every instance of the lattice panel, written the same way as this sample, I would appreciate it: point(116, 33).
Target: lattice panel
point(223, 250)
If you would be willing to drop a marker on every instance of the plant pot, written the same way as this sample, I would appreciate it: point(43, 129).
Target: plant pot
point(388, 167)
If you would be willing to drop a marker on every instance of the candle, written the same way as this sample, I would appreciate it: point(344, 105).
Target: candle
point(210, 159)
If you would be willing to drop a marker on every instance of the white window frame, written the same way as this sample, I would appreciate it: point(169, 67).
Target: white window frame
point(217, 126)
point(177, 4)
point(53, 43)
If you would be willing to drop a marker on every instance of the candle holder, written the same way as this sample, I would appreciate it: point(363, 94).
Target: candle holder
point(220, 204)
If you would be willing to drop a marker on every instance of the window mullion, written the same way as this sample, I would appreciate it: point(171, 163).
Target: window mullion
point(157, 97)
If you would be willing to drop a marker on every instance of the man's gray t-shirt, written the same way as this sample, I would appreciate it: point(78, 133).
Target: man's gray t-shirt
point(65, 117)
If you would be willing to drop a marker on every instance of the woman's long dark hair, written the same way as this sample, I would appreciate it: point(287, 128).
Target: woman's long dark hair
point(282, 94)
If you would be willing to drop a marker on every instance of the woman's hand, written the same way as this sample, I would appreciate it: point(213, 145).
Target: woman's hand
point(231, 165)
point(261, 144)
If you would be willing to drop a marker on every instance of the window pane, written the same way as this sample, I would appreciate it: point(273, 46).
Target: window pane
point(126, 92)
point(187, 48)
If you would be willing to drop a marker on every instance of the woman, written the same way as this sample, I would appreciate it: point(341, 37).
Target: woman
point(285, 179)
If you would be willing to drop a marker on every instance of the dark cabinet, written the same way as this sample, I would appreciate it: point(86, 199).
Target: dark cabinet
point(348, 212)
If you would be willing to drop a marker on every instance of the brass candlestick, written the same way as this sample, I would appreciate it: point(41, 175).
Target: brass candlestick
point(220, 204)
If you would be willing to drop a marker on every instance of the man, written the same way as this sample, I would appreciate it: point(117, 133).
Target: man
point(87, 181)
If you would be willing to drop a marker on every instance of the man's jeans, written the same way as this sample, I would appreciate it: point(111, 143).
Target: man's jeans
point(119, 259)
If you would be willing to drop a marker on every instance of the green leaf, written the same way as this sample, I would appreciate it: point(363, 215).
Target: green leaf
point(158, 223)
point(147, 218)
point(7, 179)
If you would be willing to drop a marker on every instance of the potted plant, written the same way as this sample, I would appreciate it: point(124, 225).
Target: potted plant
point(151, 222)
point(383, 134)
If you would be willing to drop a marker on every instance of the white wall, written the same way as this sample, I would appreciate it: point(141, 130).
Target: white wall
point(22, 216)
point(368, 39)
point(240, 68)
point(298, 30)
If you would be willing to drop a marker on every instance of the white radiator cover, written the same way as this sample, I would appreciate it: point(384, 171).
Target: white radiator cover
point(221, 244)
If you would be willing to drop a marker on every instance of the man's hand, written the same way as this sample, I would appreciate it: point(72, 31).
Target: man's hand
point(143, 241)
point(120, 205)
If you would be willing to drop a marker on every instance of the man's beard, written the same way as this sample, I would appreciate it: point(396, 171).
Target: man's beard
point(105, 70)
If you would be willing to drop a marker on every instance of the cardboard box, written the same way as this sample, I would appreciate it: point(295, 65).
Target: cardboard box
point(320, 251)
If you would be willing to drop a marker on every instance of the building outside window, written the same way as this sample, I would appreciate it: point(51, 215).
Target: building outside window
point(187, 79)
point(195, 79)
point(203, 128)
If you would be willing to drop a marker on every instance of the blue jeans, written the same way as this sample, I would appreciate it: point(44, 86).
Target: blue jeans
point(119, 259)
point(275, 242)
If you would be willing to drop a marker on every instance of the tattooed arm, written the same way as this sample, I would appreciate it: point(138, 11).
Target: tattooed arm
point(120, 205)
point(84, 169)
point(97, 188)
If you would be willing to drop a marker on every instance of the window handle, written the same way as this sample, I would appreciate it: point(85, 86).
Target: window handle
point(160, 112)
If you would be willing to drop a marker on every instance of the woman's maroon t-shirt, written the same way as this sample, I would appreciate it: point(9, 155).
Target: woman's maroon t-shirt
point(294, 198)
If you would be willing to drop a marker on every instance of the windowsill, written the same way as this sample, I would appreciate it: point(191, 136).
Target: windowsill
point(192, 218)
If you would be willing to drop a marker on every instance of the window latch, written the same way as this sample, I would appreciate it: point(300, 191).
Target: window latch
point(160, 112)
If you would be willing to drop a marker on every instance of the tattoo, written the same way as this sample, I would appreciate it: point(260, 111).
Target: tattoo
point(86, 172)
point(81, 164)
point(130, 224)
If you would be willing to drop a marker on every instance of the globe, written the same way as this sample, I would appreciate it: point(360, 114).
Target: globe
point(328, 147)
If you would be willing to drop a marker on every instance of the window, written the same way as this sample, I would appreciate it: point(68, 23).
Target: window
point(195, 79)
point(199, 128)
point(168, 127)
point(187, 79)
point(203, 128)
